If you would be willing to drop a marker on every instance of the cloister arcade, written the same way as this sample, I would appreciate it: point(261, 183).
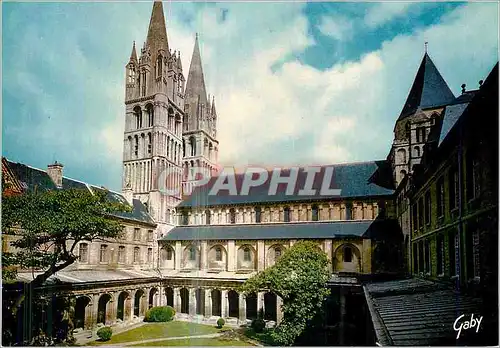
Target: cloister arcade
point(113, 307)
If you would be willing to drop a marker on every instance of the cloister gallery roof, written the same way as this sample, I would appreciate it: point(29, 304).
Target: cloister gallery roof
point(353, 179)
point(296, 230)
point(32, 179)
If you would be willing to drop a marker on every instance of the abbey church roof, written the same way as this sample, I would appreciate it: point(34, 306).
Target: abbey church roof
point(429, 89)
point(34, 179)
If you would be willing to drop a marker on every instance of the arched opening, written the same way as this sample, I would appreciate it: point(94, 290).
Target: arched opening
point(150, 113)
point(184, 300)
point(137, 302)
point(232, 216)
point(192, 146)
point(347, 254)
point(251, 306)
point(233, 300)
point(314, 213)
point(207, 217)
point(270, 302)
point(169, 294)
point(102, 308)
point(138, 117)
point(216, 303)
point(401, 156)
point(152, 295)
point(200, 301)
point(346, 258)
point(286, 214)
point(81, 304)
point(246, 259)
point(120, 311)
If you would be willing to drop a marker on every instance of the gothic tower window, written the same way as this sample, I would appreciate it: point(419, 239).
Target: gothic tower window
point(192, 145)
point(138, 117)
point(131, 74)
point(150, 113)
point(159, 66)
point(143, 84)
point(149, 143)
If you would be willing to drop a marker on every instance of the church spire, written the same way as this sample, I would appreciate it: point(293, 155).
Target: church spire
point(195, 86)
point(133, 55)
point(157, 32)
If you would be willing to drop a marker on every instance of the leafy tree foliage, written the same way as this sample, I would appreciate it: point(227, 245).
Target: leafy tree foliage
point(46, 227)
point(299, 277)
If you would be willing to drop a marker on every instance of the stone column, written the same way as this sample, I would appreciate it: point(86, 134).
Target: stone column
point(231, 251)
point(279, 312)
point(110, 306)
point(224, 303)
point(192, 301)
point(260, 303)
point(261, 256)
point(88, 316)
point(95, 309)
point(177, 300)
point(178, 255)
point(204, 255)
point(328, 250)
point(208, 303)
point(128, 311)
point(243, 308)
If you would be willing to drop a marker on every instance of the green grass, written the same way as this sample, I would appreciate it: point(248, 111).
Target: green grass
point(196, 342)
point(263, 337)
point(160, 330)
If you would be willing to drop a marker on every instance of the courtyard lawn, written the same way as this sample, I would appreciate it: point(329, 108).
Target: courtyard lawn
point(196, 342)
point(160, 330)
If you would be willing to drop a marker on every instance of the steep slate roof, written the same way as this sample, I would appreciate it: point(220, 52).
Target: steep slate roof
point(32, 179)
point(270, 231)
point(374, 229)
point(418, 312)
point(351, 178)
point(429, 89)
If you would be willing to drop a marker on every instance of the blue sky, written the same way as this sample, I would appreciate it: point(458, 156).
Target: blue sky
point(295, 83)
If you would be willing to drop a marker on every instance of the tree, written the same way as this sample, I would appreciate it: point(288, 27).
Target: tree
point(48, 226)
point(299, 277)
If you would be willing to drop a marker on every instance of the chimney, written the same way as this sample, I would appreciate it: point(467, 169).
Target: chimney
point(55, 172)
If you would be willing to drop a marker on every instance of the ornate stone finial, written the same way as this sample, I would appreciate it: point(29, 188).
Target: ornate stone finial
point(463, 87)
point(425, 44)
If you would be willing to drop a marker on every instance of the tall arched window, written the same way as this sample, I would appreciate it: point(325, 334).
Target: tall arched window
point(150, 113)
point(314, 213)
point(138, 117)
point(192, 253)
point(277, 253)
point(136, 145)
point(159, 66)
point(286, 214)
point(232, 216)
point(192, 145)
point(207, 217)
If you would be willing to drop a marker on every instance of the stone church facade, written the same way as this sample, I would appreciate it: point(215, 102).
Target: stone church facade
point(192, 250)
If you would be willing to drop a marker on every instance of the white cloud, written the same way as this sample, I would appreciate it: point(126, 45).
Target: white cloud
point(382, 13)
point(338, 27)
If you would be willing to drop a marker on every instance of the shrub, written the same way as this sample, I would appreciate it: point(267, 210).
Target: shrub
point(160, 314)
point(258, 325)
point(220, 323)
point(104, 333)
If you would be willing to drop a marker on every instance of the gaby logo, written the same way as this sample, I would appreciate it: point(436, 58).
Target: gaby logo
point(300, 181)
point(461, 323)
